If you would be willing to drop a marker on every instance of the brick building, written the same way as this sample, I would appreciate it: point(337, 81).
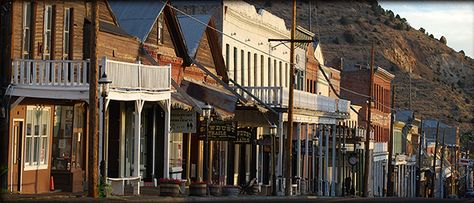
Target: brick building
point(356, 80)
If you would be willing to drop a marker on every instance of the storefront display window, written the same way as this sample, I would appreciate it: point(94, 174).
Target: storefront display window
point(67, 137)
point(176, 150)
point(37, 137)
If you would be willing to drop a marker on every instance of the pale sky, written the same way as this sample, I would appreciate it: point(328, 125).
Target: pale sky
point(452, 19)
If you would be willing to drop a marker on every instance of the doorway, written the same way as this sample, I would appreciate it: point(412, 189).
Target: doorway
point(17, 135)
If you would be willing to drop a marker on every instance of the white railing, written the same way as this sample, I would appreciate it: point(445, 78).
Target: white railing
point(135, 76)
point(52, 73)
point(278, 96)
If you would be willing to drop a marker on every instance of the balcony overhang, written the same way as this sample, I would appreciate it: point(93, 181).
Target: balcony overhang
point(45, 92)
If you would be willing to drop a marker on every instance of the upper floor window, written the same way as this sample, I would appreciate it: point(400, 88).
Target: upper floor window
point(67, 33)
point(227, 55)
point(159, 33)
point(47, 34)
point(27, 25)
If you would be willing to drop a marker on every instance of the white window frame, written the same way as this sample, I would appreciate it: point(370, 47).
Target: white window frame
point(43, 120)
point(47, 42)
point(27, 51)
point(67, 33)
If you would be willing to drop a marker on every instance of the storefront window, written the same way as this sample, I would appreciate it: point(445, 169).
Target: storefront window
point(67, 140)
point(37, 137)
point(176, 150)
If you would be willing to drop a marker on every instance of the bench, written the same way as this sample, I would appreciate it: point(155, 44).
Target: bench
point(118, 185)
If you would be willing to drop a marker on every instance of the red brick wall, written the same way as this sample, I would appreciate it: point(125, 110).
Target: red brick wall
point(358, 81)
point(312, 67)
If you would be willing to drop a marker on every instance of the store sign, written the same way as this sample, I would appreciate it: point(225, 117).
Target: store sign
point(183, 121)
point(219, 130)
point(244, 136)
point(466, 162)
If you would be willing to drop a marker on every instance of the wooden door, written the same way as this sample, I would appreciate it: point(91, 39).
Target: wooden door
point(17, 135)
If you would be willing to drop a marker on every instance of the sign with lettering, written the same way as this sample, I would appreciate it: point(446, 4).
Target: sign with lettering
point(219, 130)
point(182, 121)
point(244, 136)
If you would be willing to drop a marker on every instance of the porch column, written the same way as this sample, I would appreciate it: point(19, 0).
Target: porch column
point(298, 154)
point(320, 162)
point(326, 157)
point(280, 153)
point(138, 121)
point(334, 171)
point(306, 158)
point(166, 162)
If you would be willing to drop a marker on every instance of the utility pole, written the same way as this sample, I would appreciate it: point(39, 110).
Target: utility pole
point(289, 138)
point(390, 145)
point(369, 126)
point(6, 14)
point(433, 178)
point(418, 174)
point(93, 106)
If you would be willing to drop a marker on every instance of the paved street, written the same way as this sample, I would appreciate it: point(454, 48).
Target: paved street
point(65, 198)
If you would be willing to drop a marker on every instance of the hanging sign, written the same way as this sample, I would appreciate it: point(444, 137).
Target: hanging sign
point(182, 121)
point(244, 136)
point(219, 130)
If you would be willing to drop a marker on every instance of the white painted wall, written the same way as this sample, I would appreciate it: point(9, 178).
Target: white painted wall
point(245, 24)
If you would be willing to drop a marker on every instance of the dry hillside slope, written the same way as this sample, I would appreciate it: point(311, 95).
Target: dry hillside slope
point(442, 79)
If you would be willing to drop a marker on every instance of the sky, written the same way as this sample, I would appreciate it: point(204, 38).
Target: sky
point(451, 19)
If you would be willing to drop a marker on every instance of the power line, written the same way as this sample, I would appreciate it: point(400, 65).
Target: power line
point(227, 35)
point(268, 54)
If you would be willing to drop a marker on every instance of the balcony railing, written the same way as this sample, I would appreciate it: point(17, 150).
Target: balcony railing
point(50, 73)
point(278, 97)
point(134, 76)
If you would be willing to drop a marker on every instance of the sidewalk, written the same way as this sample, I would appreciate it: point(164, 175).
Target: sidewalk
point(68, 197)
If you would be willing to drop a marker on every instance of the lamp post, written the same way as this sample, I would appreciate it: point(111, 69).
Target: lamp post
point(104, 84)
point(273, 133)
point(206, 113)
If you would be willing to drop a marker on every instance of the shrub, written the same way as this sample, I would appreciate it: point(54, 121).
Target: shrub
point(431, 35)
point(443, 40)
point(422, 30)
point(169, 181)
point(335, 40)
point(344, 21)
point(349, 37)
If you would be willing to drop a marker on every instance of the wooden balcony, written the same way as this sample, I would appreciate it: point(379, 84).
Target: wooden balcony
point(69, 79)
point(137, 77)
point(55, 79)
point(278, 97)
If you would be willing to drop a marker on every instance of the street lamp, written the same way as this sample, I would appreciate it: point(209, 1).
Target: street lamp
point(104, 84)
point(273, 133)
point(206, 113)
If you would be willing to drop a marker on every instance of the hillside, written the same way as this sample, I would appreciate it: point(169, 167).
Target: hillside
point(442, 79)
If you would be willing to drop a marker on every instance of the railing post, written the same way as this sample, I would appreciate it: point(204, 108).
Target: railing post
point(65, 73)
point(33, 68)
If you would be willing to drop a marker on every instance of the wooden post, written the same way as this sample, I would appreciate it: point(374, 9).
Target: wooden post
point(441, 185)
point(188, 160)
point(93, 106)
point(289, 139)
point(6, 21)
point(433, 178)
point(369, 126)
point(390, 146)
point(418, 175)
